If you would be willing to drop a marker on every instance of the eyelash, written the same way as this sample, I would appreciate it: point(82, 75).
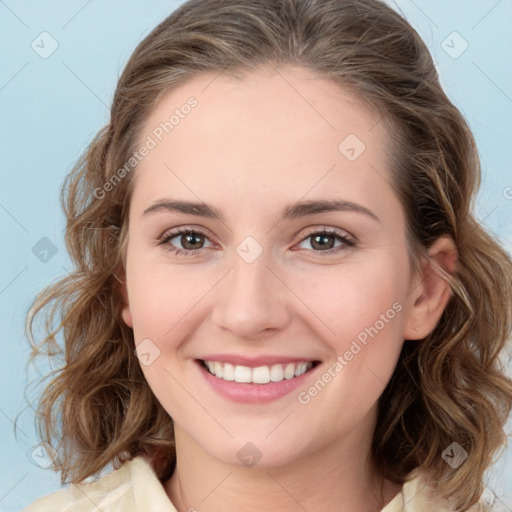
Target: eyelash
point(347, 242)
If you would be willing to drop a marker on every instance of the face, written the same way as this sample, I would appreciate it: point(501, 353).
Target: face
point(258, 280)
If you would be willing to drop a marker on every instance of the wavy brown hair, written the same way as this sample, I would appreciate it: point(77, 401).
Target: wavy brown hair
point(97, 407)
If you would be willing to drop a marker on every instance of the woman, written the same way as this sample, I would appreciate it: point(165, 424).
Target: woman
point(282, 298)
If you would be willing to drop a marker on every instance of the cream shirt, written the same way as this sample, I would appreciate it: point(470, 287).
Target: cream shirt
point(134, 487)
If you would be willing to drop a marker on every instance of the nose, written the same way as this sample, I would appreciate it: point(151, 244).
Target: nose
point(252, 302)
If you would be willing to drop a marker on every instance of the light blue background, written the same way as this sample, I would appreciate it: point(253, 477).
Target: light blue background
point(50, 109)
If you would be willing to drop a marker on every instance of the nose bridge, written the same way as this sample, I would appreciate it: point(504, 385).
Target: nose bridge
point(251, 299)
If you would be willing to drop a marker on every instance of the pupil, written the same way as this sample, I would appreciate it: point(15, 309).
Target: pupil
point(189, 237)
point(324, 238)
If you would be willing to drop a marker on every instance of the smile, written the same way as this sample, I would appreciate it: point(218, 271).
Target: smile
point(258, 375)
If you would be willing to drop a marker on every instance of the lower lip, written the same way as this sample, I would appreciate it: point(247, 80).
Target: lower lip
point(253, 393)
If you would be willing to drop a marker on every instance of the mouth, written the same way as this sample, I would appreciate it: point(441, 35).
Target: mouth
point(259, 375)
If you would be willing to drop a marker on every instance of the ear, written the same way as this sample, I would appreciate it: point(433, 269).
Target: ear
point(430, 293)
point(126, 313)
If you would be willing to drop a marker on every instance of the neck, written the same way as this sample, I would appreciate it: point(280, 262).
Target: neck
point(339, 478)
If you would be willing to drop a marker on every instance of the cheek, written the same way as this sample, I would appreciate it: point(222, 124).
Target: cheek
point(364, 309)
point(161, 295)
point(351, 298)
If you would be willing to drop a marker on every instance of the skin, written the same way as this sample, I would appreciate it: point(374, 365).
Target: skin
point(249, 148)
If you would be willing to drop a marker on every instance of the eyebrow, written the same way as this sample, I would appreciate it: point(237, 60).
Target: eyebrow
point(293, 211)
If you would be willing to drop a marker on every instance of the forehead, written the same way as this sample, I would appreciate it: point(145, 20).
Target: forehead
point(270, 98)
point(253, 135)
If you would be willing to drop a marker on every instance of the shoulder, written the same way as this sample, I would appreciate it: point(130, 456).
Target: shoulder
point(417, 495)
point(121, 490)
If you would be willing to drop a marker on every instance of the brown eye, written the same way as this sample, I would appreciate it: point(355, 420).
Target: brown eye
point(325, 241)
point(322, 241)
point(190, 241)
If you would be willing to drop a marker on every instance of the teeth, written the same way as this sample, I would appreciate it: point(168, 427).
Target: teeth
point(259, 375)
point(301, 368)
point(242, 374)
point(289, 371)
point(228, 372)
point(218, 369)
point(276, 373)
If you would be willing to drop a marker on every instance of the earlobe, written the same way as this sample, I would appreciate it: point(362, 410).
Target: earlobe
point(430, 296)
point(126, 315)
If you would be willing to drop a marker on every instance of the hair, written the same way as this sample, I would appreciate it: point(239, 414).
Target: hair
point(97, 407)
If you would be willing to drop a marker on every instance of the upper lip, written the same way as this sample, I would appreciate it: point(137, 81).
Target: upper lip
point(254, 362)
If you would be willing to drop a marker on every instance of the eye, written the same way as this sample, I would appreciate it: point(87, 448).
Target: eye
point(190, 239)
point(325, 241)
